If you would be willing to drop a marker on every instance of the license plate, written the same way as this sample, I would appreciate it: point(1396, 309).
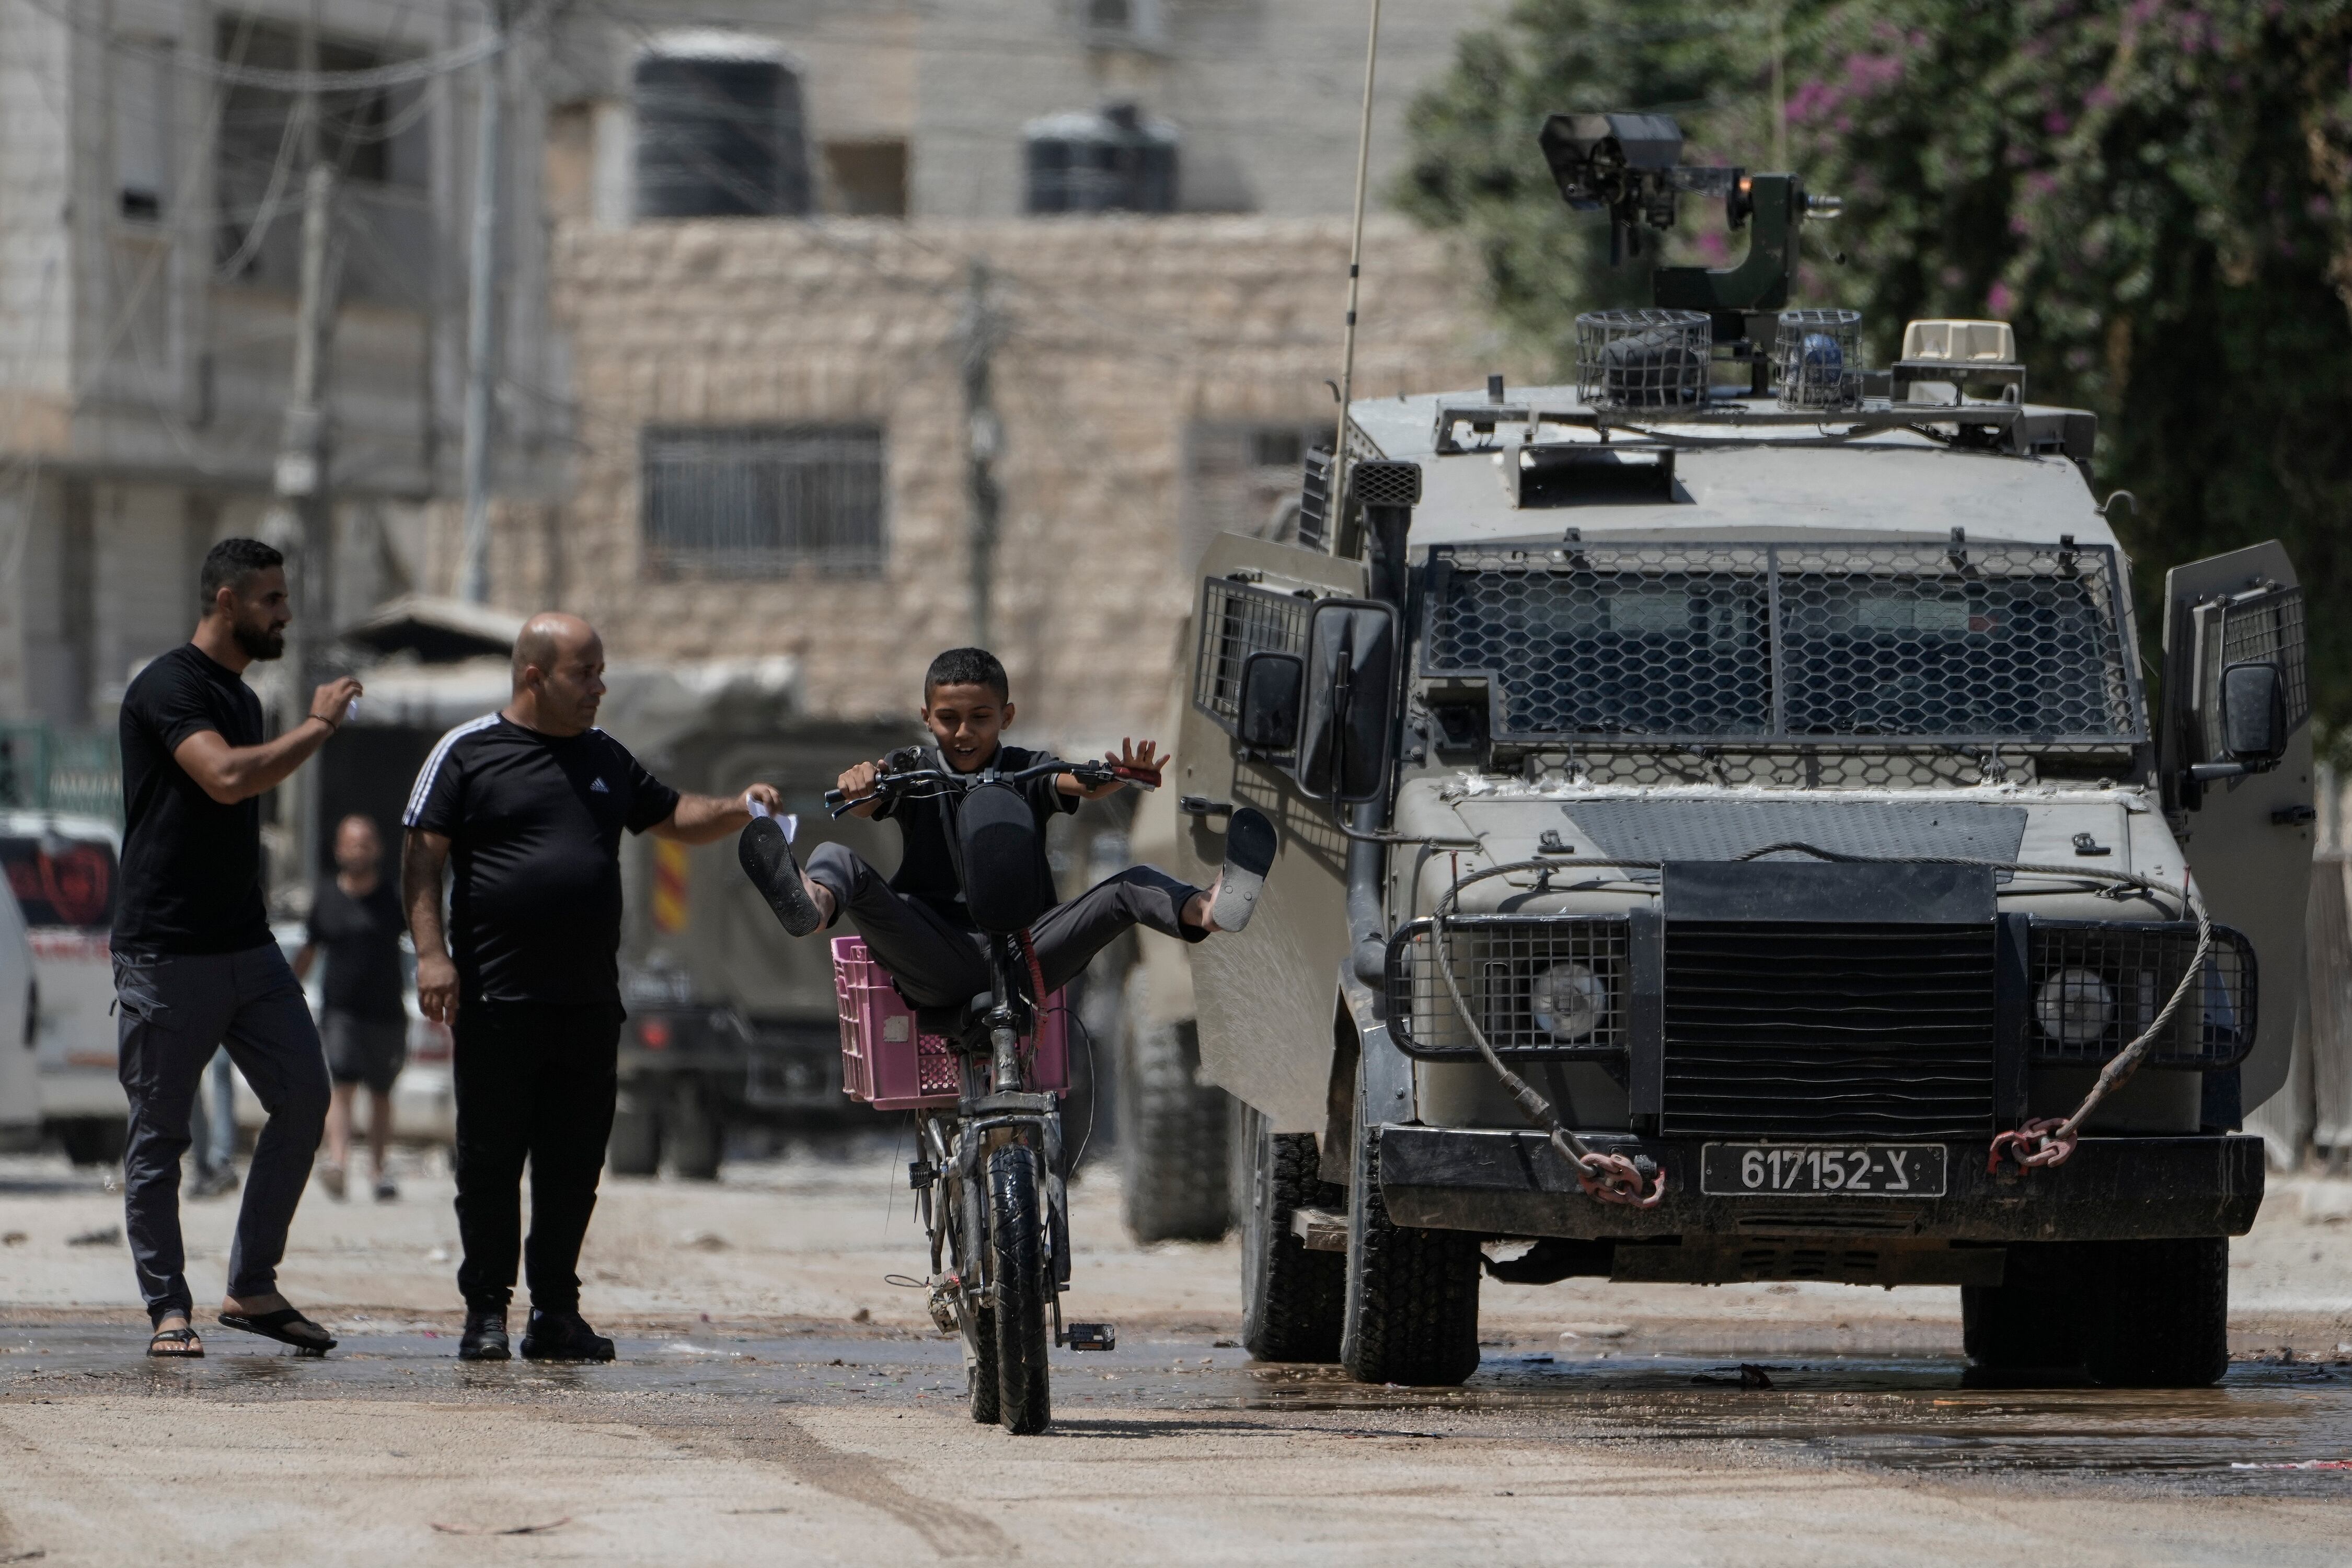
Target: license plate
point(1822, 1169)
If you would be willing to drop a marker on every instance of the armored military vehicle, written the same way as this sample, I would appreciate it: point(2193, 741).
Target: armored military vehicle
point(1728, 835)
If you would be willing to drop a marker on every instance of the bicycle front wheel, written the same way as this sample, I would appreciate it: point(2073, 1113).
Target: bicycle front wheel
point(1015, 1238)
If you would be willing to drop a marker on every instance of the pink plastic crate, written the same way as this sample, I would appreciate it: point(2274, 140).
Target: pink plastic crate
point(891, 1065)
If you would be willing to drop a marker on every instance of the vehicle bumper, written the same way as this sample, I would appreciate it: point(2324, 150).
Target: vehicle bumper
point(75, 1093)
point(1502, 1183)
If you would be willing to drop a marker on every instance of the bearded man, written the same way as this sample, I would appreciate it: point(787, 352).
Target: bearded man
point(196, 968)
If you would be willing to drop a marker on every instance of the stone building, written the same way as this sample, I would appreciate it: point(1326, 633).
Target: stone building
point(152, 163)
point(786, 238)
point(773, 436)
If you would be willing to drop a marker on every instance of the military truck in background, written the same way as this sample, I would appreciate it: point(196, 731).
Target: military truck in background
point(1726, 837)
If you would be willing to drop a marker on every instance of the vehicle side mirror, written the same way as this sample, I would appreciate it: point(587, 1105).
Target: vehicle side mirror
point(1349, 701)
point(1271, 684)
point(2252, 722)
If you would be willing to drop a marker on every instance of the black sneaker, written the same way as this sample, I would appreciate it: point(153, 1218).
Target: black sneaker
point(1251, 843)
point(563, 1336)
point(486, 1336)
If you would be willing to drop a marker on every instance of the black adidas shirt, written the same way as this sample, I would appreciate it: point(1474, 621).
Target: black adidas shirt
point(190, 866)
point(534, 826)
point(926, 865)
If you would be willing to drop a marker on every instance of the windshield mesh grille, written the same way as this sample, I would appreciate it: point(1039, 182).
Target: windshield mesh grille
point(1706, 642)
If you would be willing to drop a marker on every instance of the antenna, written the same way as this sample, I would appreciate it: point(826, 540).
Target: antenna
point(1355, 271)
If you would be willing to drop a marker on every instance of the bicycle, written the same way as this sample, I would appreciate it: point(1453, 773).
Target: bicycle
point(999, 1228)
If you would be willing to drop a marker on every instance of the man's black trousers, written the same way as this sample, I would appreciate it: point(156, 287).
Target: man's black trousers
point(535, 1082)
point(940, 965)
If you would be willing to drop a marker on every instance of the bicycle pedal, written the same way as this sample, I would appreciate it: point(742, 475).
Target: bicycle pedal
point(1092, 1336)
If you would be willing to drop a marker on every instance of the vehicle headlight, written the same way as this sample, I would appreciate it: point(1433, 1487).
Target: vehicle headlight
point(1567, 1001)
point(2075, 1006)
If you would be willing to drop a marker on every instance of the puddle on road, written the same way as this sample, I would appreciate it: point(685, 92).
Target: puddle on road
point(1917, 1414)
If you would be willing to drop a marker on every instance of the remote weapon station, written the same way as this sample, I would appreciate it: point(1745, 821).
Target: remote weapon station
point(1726, 837)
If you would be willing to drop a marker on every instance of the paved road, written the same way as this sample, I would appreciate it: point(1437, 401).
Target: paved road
point(778, 1429)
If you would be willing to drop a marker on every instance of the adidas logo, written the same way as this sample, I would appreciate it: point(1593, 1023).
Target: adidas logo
point(598, 788)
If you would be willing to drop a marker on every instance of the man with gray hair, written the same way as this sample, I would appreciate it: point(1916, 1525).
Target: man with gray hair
point(526, 807)
point(195, 967)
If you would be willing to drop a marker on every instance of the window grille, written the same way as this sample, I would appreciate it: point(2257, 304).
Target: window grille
point(1704, 642)
point(764, 501)
point(1238, 619)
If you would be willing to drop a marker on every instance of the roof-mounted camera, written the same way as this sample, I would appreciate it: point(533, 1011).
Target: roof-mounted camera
point(1629, 165)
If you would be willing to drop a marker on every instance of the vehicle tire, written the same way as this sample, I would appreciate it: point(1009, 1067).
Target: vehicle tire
point(1292, 1300)
point(634, 1147)
point(2031, 1321)
point(691, 1130)
point(2156, 1312)
point(93, 1140)
point(1173, 1132)
point(1017, 1263)
point(1411, 1295)
point(979, 1373)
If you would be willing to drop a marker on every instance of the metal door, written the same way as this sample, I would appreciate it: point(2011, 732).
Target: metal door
point(2248, 840)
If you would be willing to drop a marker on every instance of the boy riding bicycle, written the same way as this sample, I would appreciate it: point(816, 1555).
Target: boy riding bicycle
point(916, 923)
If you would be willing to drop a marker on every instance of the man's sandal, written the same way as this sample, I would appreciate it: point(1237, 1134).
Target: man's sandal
point(175, 1344)
point(279, 1326)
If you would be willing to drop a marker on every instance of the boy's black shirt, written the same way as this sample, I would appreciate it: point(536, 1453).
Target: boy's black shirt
point(926, 864)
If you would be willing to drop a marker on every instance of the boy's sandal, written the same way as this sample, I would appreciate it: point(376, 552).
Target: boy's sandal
point(1251, 843)
point(175, 1344)
point(278, 1325)
point(766, 856)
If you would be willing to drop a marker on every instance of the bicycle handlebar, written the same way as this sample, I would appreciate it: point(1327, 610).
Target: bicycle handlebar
point(1089, 774)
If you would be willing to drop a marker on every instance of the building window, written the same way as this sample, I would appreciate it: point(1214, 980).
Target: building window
point(720, 131)
point(1112, 162)
point(867, 179)
point(764, 501)
point(375, 137)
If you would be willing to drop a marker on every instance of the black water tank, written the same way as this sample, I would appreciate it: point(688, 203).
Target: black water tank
point(719, 135)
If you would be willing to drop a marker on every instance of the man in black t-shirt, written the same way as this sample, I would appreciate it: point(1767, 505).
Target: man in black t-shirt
point(917, 925)
point(195, 966)
point(527, 807)
point(355, 921)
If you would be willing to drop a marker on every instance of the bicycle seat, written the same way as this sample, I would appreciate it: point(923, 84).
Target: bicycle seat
point(960, 1023)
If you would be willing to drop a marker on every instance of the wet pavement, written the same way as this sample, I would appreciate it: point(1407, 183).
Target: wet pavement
point(1919, 1415)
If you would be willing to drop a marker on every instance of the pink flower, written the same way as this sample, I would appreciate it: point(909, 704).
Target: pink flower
point(1999, 300)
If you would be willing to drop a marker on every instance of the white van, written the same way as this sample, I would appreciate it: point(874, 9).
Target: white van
point(62, 869)
point(20, 1076)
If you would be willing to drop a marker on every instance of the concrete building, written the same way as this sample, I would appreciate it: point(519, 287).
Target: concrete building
point(735, 304)
point(151, 163)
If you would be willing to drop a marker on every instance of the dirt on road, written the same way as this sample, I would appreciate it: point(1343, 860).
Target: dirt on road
point(776, 1400)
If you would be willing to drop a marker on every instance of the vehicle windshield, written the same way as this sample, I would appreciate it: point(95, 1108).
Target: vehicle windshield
point(61, 882)
point(1794, 644)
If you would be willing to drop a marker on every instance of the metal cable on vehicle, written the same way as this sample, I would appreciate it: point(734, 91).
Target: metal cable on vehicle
point(2036, 1143)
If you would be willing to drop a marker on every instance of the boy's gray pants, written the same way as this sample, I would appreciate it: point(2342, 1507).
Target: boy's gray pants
point(173, 1011)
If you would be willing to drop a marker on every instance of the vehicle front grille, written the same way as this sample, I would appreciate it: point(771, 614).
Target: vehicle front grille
point(1828, 1031)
